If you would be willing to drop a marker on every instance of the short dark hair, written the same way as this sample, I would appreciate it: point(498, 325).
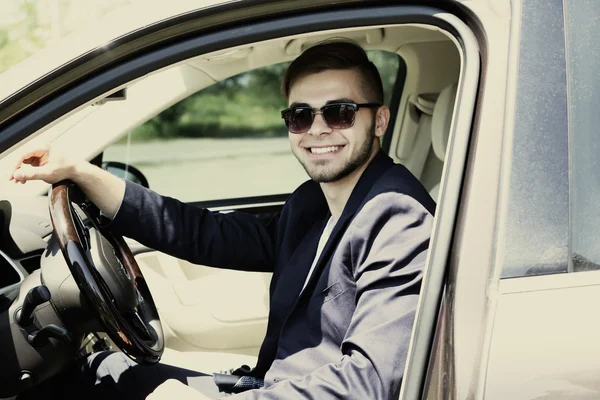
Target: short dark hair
point(340, 54)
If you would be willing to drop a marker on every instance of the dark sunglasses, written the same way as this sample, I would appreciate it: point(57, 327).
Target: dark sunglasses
point(336, 115)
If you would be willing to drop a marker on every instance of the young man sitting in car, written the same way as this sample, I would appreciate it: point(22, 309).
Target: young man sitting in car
point(347, 251)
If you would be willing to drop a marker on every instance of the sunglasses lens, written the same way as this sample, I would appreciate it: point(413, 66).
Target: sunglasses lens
point(299, 120)
point(339, 116)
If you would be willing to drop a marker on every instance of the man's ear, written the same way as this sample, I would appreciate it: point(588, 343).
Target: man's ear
point(382, 119)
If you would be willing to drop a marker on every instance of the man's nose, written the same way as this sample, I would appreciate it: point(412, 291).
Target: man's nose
point(319, 126)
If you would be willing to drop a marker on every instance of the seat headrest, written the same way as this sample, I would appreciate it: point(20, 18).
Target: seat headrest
point(441, 120)
point(425, 102)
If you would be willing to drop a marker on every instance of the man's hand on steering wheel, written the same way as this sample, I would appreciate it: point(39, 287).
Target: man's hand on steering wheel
point(105, 190)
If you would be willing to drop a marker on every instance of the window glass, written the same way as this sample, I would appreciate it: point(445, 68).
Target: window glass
point(556, 144)
point(582, 19)
point(537, 222)
point(226, 141)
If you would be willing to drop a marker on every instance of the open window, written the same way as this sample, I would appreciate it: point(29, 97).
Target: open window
point(228, 140)
point(198, 147)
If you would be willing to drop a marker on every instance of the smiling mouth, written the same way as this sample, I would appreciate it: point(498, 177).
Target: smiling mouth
point(324, 150)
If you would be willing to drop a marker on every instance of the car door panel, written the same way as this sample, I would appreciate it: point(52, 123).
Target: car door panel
point(545, 338)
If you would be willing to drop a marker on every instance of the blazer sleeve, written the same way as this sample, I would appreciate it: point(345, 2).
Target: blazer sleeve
point(390, 238)
point(234, 240)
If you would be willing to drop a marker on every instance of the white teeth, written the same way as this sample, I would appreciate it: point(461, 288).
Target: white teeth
point(323, 150)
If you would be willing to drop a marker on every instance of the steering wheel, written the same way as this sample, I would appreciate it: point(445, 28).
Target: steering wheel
point(107, 274)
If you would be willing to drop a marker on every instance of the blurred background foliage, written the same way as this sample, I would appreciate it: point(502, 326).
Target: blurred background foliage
point(248, 104)
point(27, 26)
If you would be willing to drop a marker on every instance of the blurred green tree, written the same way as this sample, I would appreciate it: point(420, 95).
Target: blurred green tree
point(243, 105)
point(23, 37)
point(166, 124)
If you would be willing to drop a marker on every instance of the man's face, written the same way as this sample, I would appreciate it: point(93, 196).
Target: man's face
point(328, 154)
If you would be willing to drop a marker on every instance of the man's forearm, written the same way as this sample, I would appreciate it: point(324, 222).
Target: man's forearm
point(104, 189)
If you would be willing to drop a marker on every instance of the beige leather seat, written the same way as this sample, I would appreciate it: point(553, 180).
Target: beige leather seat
point(194, 314)
point(440, 127)
point(415, 141)
point(424, 103)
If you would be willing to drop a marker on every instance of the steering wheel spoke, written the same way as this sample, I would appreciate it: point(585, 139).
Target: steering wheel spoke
point(145, 330)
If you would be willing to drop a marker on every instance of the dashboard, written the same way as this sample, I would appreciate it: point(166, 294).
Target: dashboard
point(32, 304)
point(12, 274)
point(24, 228)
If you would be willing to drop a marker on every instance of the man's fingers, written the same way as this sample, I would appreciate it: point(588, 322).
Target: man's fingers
point(37, 157)
point(21, 176)
point(27, 173)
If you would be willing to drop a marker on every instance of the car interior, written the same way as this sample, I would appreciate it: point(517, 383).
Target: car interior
point(212, 319)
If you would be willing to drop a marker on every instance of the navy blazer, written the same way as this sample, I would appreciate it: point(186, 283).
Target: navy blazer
point(346, 336)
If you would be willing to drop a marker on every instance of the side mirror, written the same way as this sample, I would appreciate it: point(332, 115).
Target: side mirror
point(127, 172)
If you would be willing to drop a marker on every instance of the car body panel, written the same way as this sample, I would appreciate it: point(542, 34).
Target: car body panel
point(519, 338)
point(544, 343)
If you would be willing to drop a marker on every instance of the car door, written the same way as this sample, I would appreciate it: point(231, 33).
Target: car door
point(544, 339)
point(518, 313)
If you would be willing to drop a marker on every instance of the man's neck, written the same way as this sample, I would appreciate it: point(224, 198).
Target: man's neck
point(337, 193)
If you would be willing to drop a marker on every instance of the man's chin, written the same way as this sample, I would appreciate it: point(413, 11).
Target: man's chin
point(328, 175)
point(328, 170)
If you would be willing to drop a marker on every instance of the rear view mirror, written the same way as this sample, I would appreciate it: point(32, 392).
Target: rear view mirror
point(127, 172)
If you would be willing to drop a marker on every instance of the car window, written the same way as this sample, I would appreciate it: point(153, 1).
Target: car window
point(227, 140)
point(554, 189)
point(583, 82)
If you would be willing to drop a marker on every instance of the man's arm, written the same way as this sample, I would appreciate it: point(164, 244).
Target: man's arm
point(393, 232)
point(235, 240)
point(104, 189)
point(238, 241)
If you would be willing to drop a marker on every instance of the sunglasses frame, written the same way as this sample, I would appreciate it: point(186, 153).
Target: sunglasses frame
point(315, 111)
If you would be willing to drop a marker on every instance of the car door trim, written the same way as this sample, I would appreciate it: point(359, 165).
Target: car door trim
point(446, 213)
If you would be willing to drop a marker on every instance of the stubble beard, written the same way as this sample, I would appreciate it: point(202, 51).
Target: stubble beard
point(322, 174)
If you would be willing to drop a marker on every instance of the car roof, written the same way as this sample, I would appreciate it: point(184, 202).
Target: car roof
point(128, 22)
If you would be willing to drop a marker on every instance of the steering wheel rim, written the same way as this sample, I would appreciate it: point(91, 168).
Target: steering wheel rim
point(125, 308)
